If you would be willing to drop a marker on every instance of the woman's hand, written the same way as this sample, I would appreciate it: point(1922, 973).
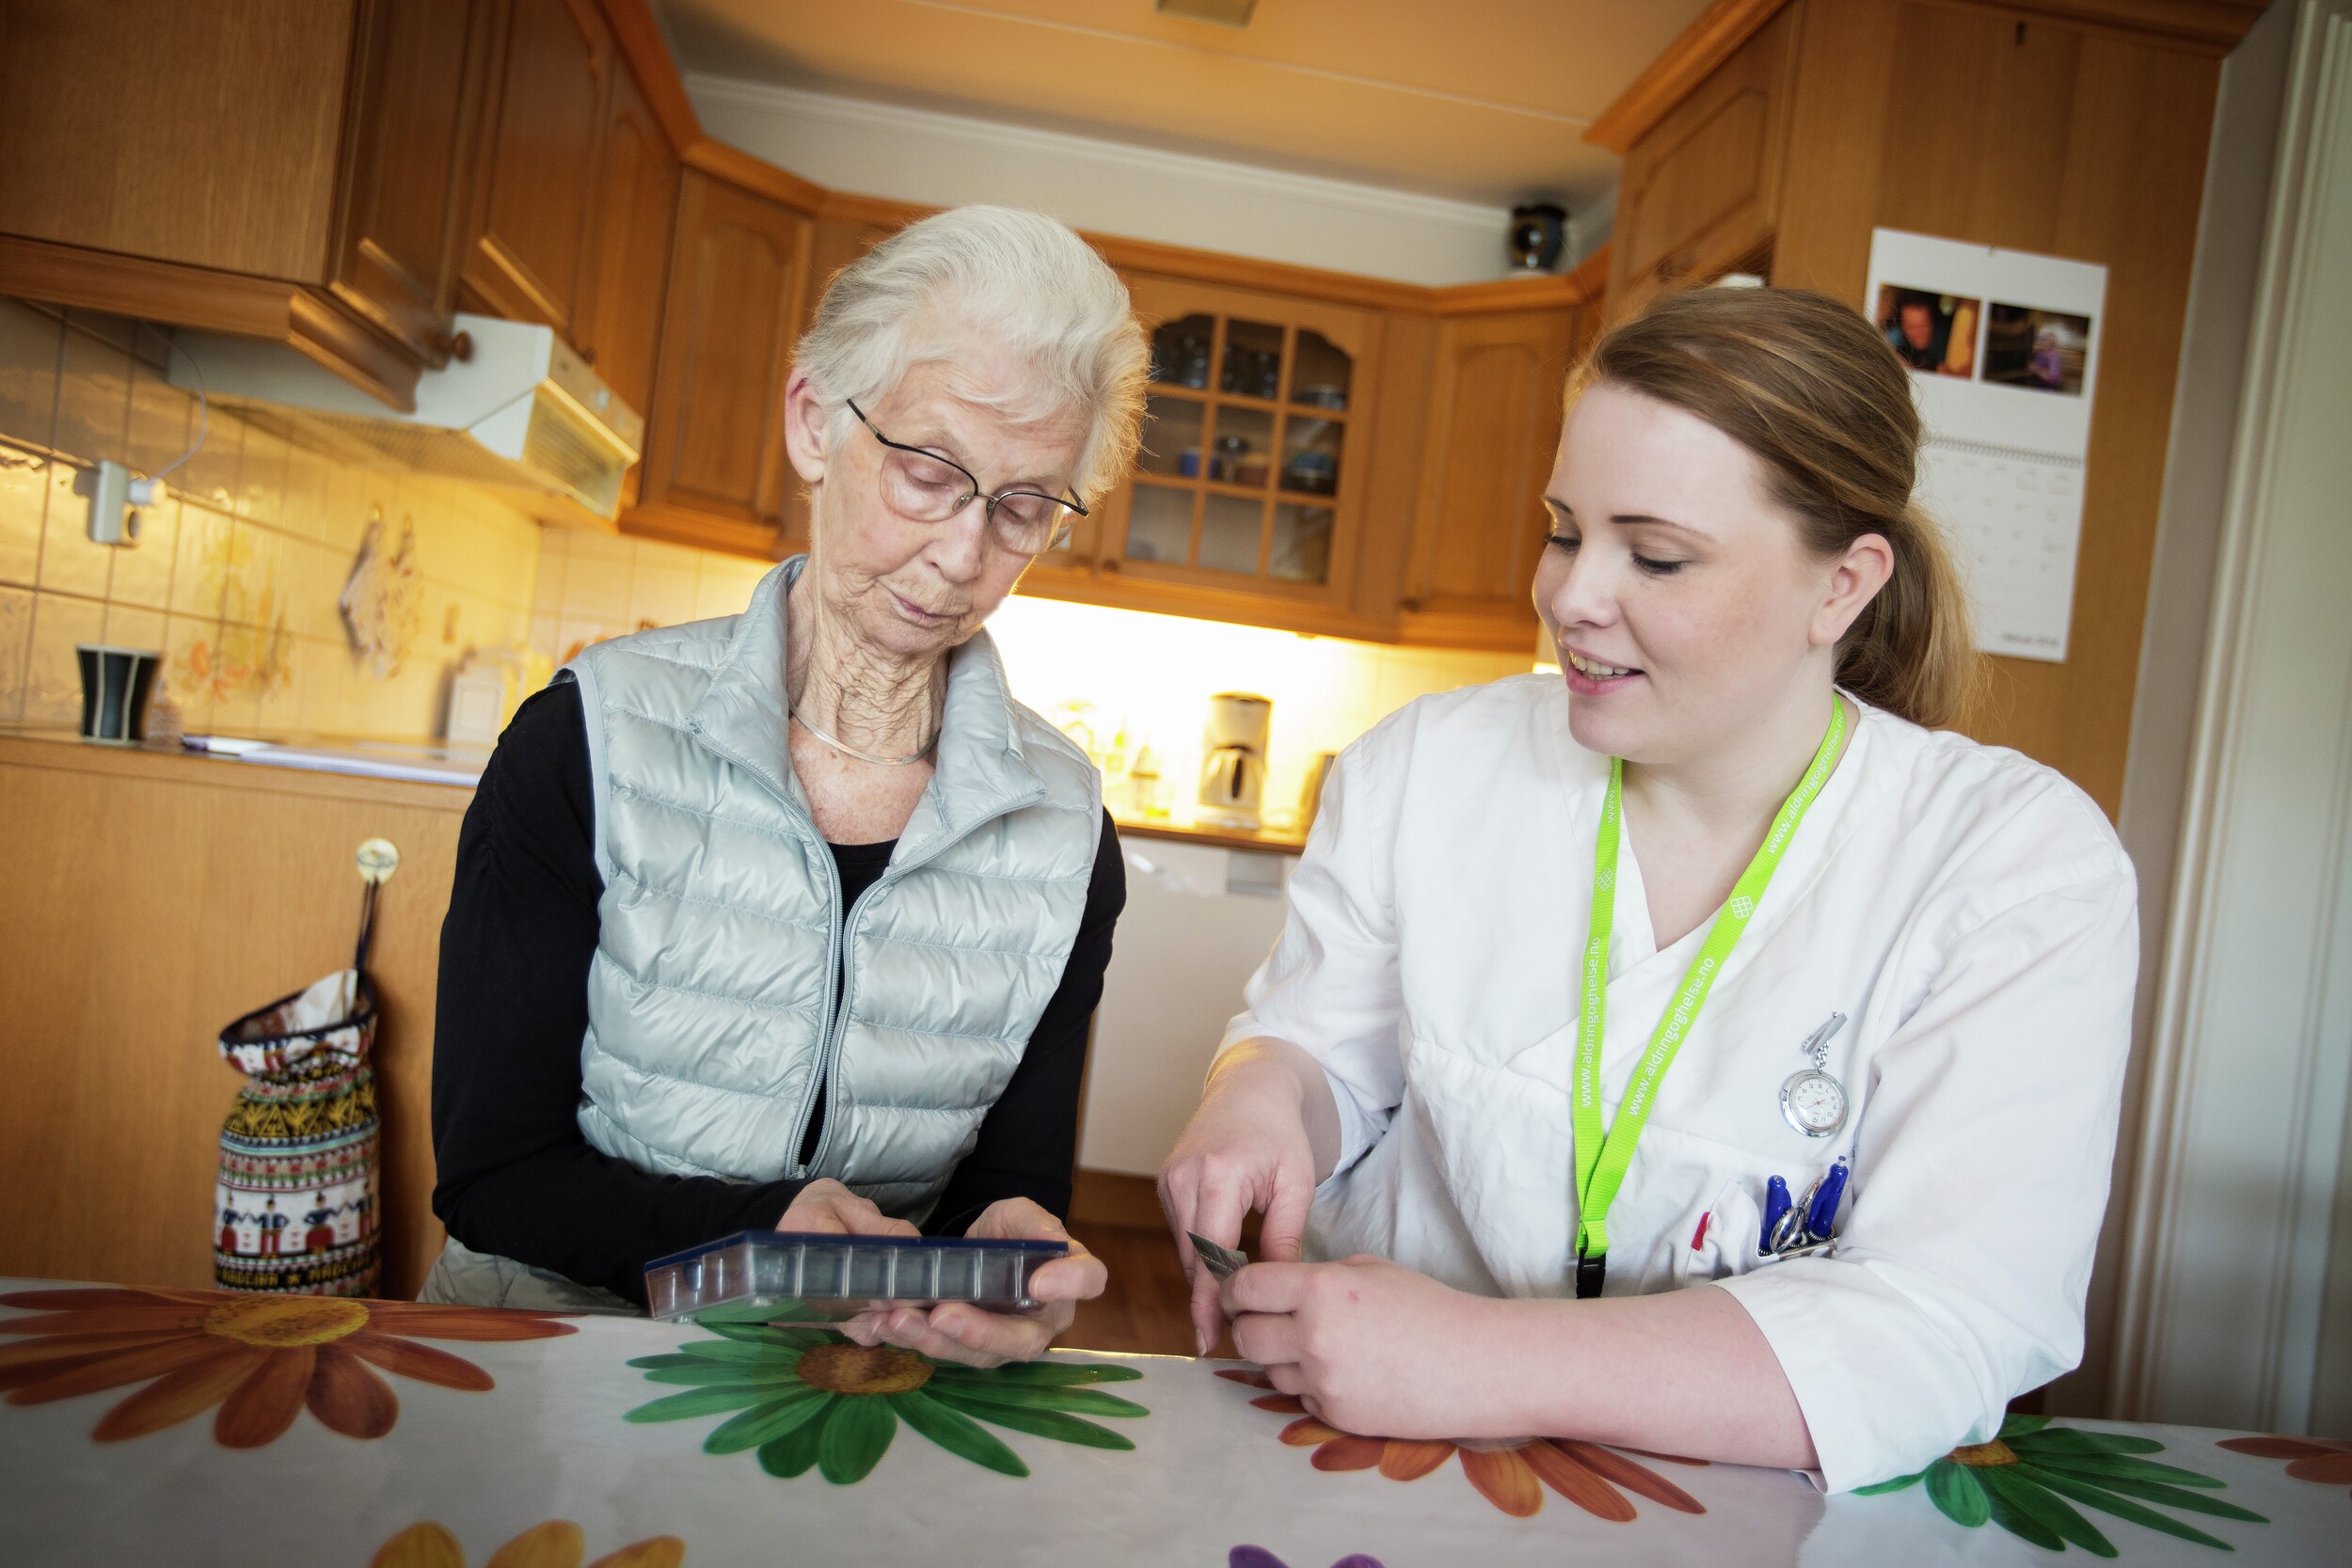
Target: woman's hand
point(1247, 1147)
point(958, 1331)
point(1372, 1347)
point(827, 1207)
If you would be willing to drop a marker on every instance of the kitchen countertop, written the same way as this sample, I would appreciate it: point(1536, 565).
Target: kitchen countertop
point(57, 746)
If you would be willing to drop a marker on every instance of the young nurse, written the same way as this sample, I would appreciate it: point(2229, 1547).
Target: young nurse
point(1591, 982)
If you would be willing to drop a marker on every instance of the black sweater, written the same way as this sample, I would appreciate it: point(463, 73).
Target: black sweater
point(516, 1175)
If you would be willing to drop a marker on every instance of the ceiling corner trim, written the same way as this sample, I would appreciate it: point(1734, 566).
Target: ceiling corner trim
point(1707, 42)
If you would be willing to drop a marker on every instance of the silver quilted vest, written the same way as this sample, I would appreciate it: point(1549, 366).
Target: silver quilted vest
point(711, 1015)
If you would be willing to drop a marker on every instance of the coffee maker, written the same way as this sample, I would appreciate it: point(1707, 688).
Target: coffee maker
point(1233, 760)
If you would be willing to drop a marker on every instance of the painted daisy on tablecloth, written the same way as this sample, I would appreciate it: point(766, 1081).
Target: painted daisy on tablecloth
point(557, 1544)
point(261, 1358)
point(1510, 1475)
point(2029, 1479)
point(2324, 1459)
point(803, 1399)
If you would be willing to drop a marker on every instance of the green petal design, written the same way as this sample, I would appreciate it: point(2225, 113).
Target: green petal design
point(956, 1432)
point(659, 1361)
point(796, 1450)
point(1955, 1491)
point(1042, 1424)
point(1075, 1402)
point(2122, 1466)
point(2020, 1492)
point(1056, 1374)
point(2073, 1440)
point(856, 1436)
point(1879, 1489)
point(701, 1373)
point(2124, 1508)
point(740, 1354)
point(765, 1423)
point(2015, 1520)
point(2171, 1496)
point(702, 1401)
point(2021, 1426)
point(749, 1315)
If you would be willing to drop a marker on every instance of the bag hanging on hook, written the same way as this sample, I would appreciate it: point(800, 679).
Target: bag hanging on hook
point(298, 1196)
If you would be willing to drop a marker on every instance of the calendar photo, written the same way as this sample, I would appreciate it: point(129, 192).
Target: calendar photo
point(2043, 351)
point(1931, 331)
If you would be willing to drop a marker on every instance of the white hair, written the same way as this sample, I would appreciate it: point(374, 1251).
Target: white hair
point(1016, 278)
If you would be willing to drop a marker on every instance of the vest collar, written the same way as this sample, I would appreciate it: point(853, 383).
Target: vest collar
point(980, 771)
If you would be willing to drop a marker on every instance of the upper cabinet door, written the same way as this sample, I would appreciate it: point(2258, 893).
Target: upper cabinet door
point(530, 256)
point(715, 467)
point(419, 79)
point(637, 203)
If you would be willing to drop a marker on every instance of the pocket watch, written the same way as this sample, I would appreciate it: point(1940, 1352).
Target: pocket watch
point(1812, 1100)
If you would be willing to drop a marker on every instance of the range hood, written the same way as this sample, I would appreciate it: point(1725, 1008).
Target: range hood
point(521, 411)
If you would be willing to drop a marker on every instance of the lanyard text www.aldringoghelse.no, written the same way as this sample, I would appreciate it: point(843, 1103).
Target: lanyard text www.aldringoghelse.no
point(1603, 1162)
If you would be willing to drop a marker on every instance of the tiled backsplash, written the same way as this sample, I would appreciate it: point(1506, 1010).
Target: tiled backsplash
point(238, 574)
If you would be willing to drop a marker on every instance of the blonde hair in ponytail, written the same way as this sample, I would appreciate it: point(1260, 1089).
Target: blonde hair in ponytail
point(1810, 388)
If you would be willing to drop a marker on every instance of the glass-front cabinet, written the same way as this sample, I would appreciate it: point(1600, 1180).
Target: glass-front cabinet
point(1246, 495)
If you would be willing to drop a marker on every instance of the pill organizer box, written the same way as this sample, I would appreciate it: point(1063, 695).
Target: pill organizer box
point(815, 1277)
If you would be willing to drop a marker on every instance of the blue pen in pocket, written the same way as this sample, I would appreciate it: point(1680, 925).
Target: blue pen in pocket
point(1820, 1216)
point(1776, 1205)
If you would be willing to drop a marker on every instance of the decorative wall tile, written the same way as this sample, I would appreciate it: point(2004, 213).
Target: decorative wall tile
point(16, 644)
point(162, 421)
point(24, 494)
point(30, 342)
point(306, 474)
point(262, 476)
point(142, 572)
point(250, 594)
point(191, 694)
point(128, 626)
point(93, 399)
point(53, 687)
point(200, 571)
point(211, 474)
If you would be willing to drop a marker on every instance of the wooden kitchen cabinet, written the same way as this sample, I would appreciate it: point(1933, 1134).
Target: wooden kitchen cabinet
point(1699, 190)
point(1493, 421)
point(637, 209)
point(715, 472)
point(540, 184)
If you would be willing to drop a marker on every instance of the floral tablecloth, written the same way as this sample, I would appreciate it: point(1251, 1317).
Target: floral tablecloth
point(148, 1426)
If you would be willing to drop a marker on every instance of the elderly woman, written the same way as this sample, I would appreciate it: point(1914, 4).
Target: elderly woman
point(796, 918)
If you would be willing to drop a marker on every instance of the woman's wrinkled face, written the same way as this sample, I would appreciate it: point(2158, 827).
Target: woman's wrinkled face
point(1680, 594)
point(914, 588)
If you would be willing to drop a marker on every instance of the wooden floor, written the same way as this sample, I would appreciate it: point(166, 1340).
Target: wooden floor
point(1143, 1309)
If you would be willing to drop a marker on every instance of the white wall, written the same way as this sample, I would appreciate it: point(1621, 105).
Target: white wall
point(2226, 1316)
point(1112, 188)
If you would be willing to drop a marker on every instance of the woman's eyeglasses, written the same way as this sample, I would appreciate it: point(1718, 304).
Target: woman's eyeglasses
point(924, 487)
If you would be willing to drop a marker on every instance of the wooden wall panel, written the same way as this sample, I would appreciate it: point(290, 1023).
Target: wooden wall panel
point(145, 901)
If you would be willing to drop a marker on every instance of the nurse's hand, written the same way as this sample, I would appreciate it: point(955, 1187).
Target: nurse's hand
point(827, 1207)
point(1370, 1346)
point(1249, 1147)
point(958, 1331)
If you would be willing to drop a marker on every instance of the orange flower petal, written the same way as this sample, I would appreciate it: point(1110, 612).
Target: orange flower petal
point(59, 1347)
point(347, 1397)
point(258, 1410)
point(658, 1551)
point(153, 1359)
point(1281, 1404)
point(176, 1395)
point(1255, 1380)
point(420, 1545)
point(1306, 1431)
point(1638, 1479)
point(1409, 1458)
point(421, 1362)
point(1503, 1475)
point(1349, 1453)
point(148, 1317)
point(2276, 1448)
point(1565, 1471)
point(417, 1321)
point(557, 1544)
point(1668, 1458)
point(2332, 1470)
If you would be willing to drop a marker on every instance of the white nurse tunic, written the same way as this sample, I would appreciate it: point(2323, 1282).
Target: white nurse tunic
point(1970, 911)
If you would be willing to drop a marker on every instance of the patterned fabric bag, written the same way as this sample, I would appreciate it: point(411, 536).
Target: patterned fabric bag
point(296, 1198)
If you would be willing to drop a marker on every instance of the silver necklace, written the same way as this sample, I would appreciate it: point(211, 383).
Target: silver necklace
point(848, 751)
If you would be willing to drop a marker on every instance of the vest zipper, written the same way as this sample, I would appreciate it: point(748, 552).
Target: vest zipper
point(837, 977)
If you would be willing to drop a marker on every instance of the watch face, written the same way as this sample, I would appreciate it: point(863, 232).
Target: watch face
point(1814, 1102)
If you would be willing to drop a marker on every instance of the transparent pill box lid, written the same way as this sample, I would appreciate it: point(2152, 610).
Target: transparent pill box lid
point(815, 1277)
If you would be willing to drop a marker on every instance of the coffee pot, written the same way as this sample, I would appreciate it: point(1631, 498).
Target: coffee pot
point(1233, 760)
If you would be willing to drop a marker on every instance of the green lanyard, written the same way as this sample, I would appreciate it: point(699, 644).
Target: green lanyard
point(1601, 1165)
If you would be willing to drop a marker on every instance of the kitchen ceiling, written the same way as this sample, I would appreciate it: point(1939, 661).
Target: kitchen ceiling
point(1477, 100)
